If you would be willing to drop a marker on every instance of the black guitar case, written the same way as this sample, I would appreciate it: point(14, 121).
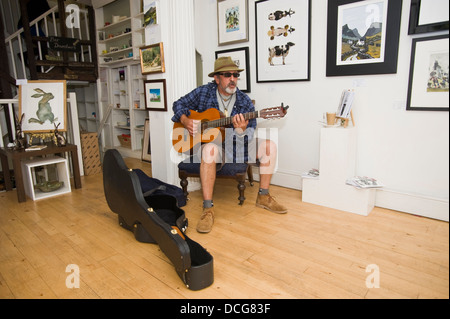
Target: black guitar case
point(155, 217)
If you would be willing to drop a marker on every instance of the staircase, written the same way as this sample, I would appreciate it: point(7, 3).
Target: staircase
point(63, 47)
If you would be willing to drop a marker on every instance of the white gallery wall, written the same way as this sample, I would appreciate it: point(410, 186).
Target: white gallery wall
point(407, 151)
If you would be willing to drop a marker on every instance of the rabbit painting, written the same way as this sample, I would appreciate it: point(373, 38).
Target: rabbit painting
point(44, 111)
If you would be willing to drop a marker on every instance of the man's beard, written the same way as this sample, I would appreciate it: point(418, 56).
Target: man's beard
point(230, 90)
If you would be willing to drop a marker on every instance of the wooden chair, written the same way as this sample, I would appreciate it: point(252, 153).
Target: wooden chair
point(238, 171)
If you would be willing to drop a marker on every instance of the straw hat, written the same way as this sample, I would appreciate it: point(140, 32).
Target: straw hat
point(224, 64)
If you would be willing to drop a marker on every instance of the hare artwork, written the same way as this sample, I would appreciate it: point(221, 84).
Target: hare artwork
point(44, 111)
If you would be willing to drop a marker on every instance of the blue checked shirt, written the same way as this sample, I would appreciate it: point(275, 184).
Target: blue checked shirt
point(205, 97)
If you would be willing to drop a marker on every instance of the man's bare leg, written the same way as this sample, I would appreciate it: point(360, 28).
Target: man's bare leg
point(267, 155)
point(210, 156)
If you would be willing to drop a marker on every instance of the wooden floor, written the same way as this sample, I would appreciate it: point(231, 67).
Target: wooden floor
point(311, 252)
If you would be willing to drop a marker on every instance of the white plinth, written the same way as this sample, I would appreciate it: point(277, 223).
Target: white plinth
point(29, 182)
point(337, 164)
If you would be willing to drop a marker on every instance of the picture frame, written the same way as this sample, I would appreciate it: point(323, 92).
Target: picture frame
point(146, 146)
point(150, 9)
point(424, 18)
point(363, 37)
point(44, 105)
point(240, 57)
point(152, 59)
point(155, 95)
point(232, 21)
point(283, 40)
point(427, 91)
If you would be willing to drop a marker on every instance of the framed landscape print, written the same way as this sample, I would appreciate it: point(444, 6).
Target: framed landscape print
point(155, 95)
point(428, 80)
point(44, 105)
point(152, 59)
point(241, 58)
point(232, 21)
point(363, 37)
point(428, 16)
point(283, 40)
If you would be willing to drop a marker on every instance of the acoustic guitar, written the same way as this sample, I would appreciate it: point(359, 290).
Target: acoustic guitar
point(211, 126)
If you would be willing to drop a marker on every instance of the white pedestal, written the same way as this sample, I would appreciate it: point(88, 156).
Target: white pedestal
point(337, 164)
point(29, 180)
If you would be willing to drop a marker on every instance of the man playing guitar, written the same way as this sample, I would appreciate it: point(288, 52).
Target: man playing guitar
point(222, 94)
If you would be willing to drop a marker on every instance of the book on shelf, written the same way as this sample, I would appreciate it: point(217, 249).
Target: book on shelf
point(364, 182)
point(35, 147)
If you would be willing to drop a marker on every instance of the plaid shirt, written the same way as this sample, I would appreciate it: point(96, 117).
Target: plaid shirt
point(205, 97)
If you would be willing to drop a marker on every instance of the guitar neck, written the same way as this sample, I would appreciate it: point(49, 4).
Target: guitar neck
point(228, 120)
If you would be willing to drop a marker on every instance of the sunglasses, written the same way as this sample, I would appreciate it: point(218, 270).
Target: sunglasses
point(229, 74)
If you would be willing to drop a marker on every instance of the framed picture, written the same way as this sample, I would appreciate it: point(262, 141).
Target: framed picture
point(43, 104)
point(232, 21)
point(428, 16)
point(363, 37)
point(283, 37)
point(428, 77)
point(240, 57)
point(155, 95)
point(150, 12)
point(152, 58)
point(146, 147)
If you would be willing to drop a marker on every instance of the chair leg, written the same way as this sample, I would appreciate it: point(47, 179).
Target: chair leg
point(241, 187)
point(184, 183)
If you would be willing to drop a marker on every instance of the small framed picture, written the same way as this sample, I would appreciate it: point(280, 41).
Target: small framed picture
point(428, 76)
point(240, 57)
point(232, 21)
point(150, 13)
point(43, 104)
point(152, 58)
point(155, 95)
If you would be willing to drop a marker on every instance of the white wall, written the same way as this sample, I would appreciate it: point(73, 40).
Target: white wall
point(408, 151)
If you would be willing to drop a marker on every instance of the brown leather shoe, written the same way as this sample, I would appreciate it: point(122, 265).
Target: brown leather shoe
point(269, 203)
point(206, 221)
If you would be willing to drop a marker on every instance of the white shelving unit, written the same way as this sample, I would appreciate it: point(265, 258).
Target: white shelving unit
point(337, 164)
point(120, 34)
point(29, 167)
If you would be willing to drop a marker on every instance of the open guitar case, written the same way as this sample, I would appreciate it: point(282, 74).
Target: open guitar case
point(155, 217)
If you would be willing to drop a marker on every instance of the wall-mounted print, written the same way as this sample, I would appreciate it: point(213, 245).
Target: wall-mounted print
point(44, 105)
point(240, 57)
point(155, 95)
point(428, 16)
point(150, 13)
point(428, 80)
point(283, 37)
point(232, 21)
point(363, 37)
point(152, 58)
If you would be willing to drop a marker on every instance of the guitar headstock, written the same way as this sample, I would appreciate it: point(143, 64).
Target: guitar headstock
point(277, 112)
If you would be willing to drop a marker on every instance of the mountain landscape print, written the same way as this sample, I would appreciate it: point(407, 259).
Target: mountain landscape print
point(362, 32)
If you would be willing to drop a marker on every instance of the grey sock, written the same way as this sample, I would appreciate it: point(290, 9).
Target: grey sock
point(263, 191)
point(208, 204)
